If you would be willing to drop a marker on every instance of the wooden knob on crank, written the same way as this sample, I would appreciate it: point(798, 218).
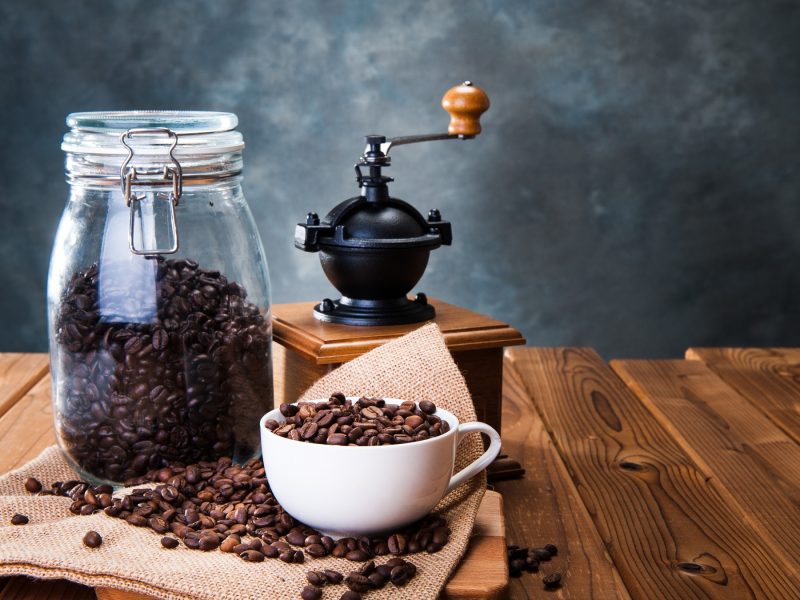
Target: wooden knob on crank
point(465, 103)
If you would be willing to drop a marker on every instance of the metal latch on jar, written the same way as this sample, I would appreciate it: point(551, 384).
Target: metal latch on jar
point(130, 175)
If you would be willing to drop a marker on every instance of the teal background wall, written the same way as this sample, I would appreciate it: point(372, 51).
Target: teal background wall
point(635, 189)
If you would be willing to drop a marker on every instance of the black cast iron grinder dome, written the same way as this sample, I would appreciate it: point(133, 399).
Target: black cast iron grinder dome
point(374, 248)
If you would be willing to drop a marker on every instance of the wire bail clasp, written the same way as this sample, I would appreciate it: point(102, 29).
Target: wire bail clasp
point(129, 175)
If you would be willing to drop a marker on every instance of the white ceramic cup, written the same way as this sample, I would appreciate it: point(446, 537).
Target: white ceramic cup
point(365, 490)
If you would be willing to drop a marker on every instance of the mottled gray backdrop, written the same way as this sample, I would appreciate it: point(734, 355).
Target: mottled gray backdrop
point(635, 188)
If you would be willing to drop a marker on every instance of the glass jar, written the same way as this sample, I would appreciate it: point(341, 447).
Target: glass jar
point(158, 296)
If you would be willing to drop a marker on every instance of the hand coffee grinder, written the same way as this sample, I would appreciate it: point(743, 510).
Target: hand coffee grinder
point(374, 249)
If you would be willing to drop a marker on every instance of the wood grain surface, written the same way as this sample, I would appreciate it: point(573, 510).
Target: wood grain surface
point(295, 326)
point(668, 530)
point(768, 377)
point(752, 463)
point(27, 427)
point(545, 507)
point(18, 373)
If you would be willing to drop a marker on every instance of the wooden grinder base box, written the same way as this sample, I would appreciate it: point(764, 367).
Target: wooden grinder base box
point(307, 349)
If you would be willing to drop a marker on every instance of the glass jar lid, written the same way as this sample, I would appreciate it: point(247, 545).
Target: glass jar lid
point(198, 132)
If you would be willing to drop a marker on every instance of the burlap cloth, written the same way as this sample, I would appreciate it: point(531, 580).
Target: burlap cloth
point(417, 366)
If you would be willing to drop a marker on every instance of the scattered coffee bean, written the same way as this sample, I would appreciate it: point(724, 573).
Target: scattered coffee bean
point(33, 485)
point(92, 539)
point(540, 554)
point(311, 593)
point(169, 542)
point(376, 580)
point(552, 549)
point(333, 576)
point(516, 566)
point(552, 580)
point(19, 519)
point(357, 582)
point(531, 564)
point(350, 595)
point(316, 578)
point(151, 378)
point(367, 422)
point(252, 556)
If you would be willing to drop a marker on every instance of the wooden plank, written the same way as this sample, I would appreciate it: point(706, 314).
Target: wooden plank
point(26, 588)
point(480, 574)
point(545, 507)
point(669, 531)
point(756, 465)
point(767, 377)
point(18, 373)
point(27, 428)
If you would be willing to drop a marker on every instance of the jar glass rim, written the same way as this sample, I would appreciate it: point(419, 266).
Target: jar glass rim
point(182, 122)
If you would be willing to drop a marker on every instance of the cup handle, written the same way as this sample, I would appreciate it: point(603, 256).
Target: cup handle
point(485, 459)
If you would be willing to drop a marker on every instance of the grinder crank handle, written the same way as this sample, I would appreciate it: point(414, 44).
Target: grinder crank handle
point(465, 103)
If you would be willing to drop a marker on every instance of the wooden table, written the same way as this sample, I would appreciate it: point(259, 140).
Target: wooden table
point(655, 479)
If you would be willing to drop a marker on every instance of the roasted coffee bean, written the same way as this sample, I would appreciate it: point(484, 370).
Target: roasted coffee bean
point(552, 549)
point(399, 575)
point(333, 576)
point(19, 519)
point(540, 554)
point(136, 520)
point(92, 539)
point(433, 547)
point(158, 524)
point(357, 555)
point(552, 580)
point(376, 580)
point(385, 570)
point(357, 582)
point(208, 542)
point(316, 550)
point(169, 542)
point(516, 567)
point(229, 543)
point(296, 537)
point(398, 544)
point(183, 360)
point(252, 556)
point(311, 593)
point(427, 407)
point(316, 578)
point(367, 568)
point(531, 564)
point(350, 595)
point(33, 485)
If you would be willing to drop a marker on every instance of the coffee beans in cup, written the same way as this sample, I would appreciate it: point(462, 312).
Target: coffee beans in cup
point(365, 422)
point(175, 370)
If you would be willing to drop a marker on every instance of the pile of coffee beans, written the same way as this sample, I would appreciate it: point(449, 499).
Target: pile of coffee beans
point(162, 363)
point(220, 505)
point(367, 422)
point(529, 559)
point(369, 577)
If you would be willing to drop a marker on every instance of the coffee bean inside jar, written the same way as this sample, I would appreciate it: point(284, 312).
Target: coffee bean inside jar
point(177, 371)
